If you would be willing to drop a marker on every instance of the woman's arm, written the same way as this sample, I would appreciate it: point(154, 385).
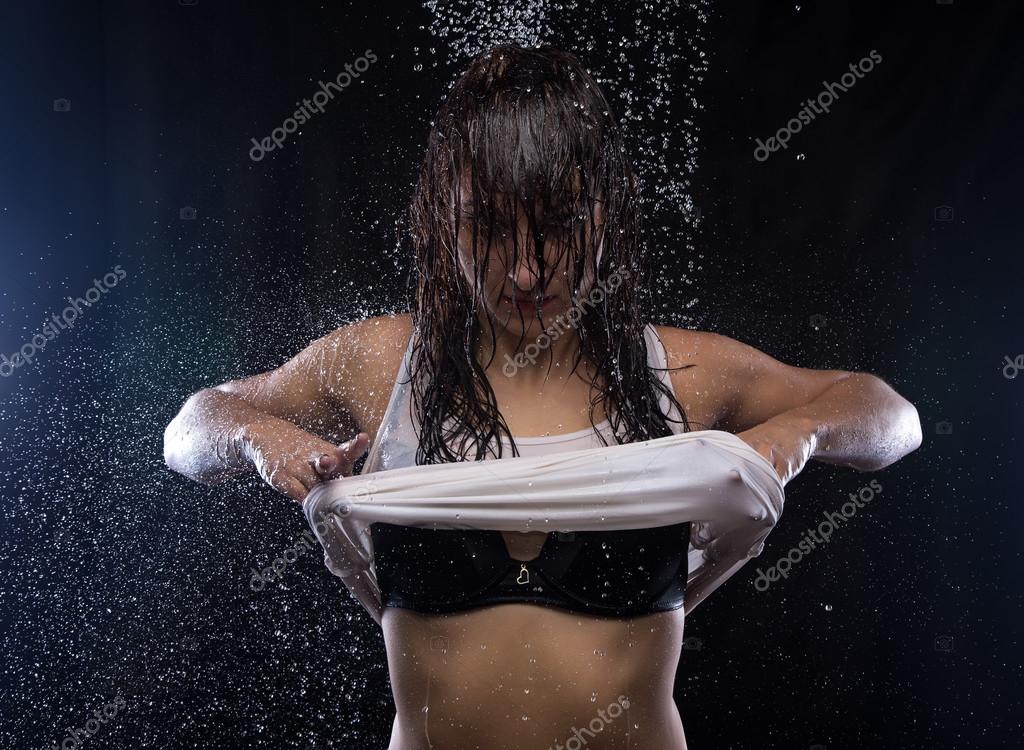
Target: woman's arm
point(792, 414)
point(284, 421)
point(858, 421)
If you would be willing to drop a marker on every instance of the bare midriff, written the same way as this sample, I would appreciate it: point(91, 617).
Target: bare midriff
point(524, 676)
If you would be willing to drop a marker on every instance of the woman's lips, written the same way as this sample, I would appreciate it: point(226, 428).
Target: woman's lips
point(527, 305)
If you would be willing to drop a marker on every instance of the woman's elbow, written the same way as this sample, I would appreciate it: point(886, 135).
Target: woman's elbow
point(178, 442)
point(915, 436)
point(903, 436)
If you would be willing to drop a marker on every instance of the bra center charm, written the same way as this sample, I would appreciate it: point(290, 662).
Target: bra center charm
point(524, 575)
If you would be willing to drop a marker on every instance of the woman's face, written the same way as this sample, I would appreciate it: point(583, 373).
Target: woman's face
point(509, 292)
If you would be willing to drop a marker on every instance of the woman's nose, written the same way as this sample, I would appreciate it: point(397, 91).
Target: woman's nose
point(524, 274)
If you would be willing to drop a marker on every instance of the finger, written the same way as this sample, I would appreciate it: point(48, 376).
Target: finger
point(341, 459)
point(329, 466)
point(291, 487)
point(326, 464)
point(309, 477)
point(348, 453)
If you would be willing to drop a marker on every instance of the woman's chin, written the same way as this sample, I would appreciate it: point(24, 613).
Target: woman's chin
point(527, 318)
point(528, 323)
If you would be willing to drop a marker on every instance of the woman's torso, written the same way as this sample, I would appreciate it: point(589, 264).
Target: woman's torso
point(518, 675)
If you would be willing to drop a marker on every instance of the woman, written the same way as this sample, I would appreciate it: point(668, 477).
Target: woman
point(524, 206)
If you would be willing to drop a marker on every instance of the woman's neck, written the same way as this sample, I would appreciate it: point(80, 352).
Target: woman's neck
point(532, 357)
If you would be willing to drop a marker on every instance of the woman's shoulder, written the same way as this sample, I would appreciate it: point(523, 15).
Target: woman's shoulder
point(372, 347)
point(690, 346)
point(381, 331)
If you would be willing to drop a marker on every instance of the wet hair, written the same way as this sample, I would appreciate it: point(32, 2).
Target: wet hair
point(530, 125)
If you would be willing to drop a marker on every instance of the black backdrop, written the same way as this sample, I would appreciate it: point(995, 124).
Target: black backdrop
point(121, 578)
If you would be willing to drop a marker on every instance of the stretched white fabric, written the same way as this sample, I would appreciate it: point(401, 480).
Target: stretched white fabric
point(731, 494)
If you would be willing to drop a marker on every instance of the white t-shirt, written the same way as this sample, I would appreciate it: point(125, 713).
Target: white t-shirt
point(732, 495)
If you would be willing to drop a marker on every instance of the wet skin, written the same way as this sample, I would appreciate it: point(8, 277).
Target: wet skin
point(525, 675)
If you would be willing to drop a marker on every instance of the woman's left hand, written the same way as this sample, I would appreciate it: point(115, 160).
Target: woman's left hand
point(787, 443)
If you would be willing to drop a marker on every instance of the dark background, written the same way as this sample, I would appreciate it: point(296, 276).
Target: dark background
point(119, 576)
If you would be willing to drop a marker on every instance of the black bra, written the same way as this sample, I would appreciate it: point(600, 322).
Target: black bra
point(612, 573)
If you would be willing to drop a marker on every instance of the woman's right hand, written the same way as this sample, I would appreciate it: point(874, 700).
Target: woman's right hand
point(292, 460)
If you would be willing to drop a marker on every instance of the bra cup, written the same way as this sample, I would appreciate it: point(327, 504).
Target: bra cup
point(627, 569)
point(430, 567)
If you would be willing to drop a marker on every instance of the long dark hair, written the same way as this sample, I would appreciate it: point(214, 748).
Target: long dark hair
point(526, 124)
